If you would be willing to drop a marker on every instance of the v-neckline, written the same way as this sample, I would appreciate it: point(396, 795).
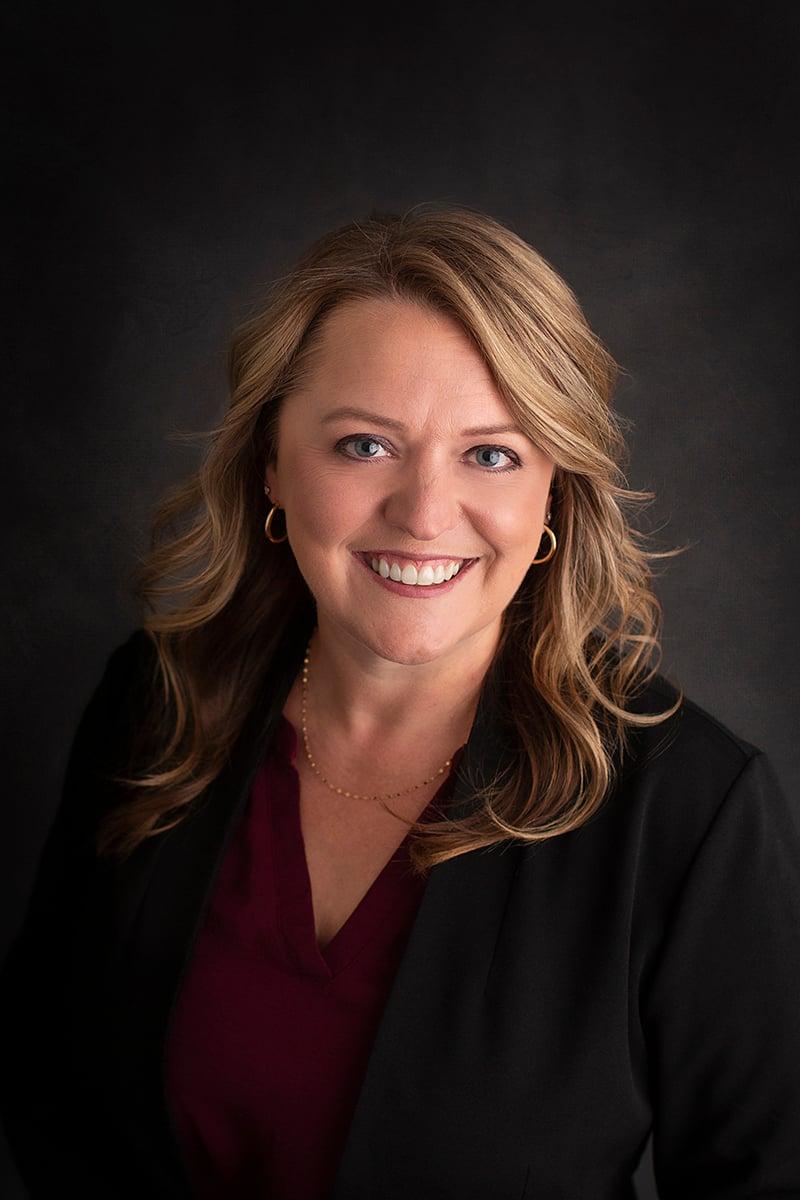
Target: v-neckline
point(292, 881)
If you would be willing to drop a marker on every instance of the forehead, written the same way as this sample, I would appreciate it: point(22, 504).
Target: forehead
point(365, 344)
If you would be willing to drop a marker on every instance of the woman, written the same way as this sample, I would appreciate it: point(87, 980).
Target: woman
point(387, 864)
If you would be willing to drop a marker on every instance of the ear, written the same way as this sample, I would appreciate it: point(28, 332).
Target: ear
point(271, 480)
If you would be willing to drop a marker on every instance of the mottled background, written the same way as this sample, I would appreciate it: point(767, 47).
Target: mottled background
point(169, 162)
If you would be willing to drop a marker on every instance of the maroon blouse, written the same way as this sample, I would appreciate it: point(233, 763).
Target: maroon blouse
point(270, 1034)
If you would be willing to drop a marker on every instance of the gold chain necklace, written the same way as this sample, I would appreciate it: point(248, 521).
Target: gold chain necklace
point(342, 791)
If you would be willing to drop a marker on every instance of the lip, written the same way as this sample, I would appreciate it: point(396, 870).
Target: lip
point(412, 590)
point(416, 558)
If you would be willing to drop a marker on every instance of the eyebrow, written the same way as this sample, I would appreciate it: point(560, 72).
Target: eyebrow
point(363, 414)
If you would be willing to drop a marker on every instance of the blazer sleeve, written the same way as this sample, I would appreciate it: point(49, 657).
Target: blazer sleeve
point(721, 1011)
point(39, 1085)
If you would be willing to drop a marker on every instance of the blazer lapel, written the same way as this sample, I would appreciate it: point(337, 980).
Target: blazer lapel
point(159, 901)
point(422, 1042)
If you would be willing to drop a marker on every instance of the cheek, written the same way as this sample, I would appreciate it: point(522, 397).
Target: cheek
point(510, 527)
point(327, 507)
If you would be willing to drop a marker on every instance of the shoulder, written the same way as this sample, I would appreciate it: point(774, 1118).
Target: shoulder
point(117, 699)
point(694, 803)
point(132, 658)
point(692, 743)
point(129, 672)
point(690, 774)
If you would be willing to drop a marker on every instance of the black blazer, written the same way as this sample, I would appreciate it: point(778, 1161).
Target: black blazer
point(555, 1002)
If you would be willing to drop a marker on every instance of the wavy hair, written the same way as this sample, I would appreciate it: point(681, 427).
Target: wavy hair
point(579, 640)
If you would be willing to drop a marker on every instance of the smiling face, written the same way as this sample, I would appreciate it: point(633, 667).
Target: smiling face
point(411, 482)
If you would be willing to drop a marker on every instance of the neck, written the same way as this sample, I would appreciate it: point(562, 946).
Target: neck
point(358, 697)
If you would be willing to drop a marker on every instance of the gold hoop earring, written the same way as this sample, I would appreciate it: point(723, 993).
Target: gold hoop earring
point(552, 549)
point(268, 523)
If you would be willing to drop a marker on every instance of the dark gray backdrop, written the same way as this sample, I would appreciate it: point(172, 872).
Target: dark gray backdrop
point(168, 163)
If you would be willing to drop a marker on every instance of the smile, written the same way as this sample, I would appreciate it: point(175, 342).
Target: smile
point(425, 582)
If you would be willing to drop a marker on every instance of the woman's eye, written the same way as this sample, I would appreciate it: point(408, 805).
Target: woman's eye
point(363, 441)
point(491, 467)
point(495, 450)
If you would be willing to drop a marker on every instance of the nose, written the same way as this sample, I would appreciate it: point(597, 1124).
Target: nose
point(425, 503)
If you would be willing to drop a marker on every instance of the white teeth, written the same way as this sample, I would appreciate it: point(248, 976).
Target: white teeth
point(409, 574)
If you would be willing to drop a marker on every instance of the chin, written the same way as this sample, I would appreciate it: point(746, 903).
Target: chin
point(409, 646)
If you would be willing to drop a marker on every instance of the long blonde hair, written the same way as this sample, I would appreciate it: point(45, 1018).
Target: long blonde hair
point(580, 638)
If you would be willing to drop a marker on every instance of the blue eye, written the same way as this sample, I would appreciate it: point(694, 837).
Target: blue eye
point(363, 438)
point(500, 450)
point(369, 440)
